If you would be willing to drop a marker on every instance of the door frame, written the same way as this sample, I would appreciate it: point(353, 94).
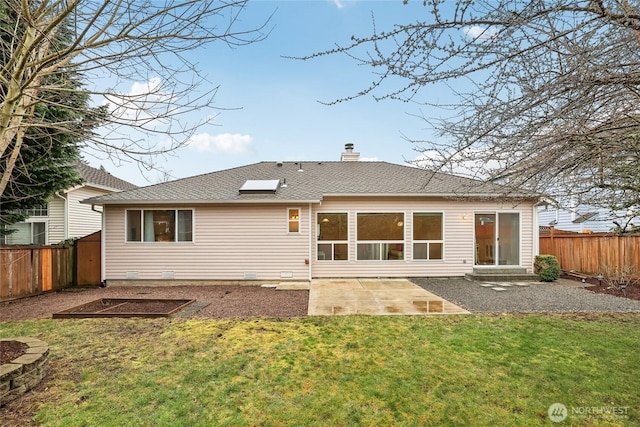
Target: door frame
point(495, 241)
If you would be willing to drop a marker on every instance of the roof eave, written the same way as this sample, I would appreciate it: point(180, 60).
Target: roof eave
point(446, 195)
point(195, 202)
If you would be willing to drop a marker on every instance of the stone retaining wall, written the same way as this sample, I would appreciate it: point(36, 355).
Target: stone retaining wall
point(25, 372)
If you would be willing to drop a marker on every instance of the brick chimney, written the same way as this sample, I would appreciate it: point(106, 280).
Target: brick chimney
point(349, 155)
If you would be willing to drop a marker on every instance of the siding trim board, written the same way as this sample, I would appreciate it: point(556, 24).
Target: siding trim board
point(231, 239)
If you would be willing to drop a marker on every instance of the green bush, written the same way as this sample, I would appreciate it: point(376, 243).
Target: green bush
point(547, 267)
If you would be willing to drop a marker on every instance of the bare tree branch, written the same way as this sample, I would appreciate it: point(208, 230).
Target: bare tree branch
point(547, 91)
point(119, 41)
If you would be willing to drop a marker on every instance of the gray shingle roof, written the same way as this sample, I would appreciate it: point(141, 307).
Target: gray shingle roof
point(316, 180)
point(102, 178)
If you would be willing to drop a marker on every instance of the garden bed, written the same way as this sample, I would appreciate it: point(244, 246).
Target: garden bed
point(125, 307)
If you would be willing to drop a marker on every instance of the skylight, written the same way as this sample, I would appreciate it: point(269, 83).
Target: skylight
point(260, 186)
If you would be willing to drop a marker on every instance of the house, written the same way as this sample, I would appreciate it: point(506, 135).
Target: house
point(64, 217)
point(583, 218)
point(301, 220)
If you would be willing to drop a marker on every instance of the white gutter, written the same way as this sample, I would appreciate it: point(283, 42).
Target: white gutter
point(175, 202)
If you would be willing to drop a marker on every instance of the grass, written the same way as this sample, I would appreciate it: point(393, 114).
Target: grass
point(339, 371)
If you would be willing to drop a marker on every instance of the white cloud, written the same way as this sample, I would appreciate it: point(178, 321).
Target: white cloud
point(143, 102)
point(225, 143)
point(480, 33)
point(151, 86)
point(339, 3)
point(369, 159)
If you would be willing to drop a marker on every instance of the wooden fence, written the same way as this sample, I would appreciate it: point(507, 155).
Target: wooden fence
point(28, 270)
point(589, 253)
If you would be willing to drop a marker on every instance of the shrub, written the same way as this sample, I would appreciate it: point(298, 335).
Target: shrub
point(547, 267)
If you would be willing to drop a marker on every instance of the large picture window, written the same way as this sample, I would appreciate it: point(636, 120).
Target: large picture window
point(380, 236)
point(159, 225)
point(427, 236)
point(333, 236)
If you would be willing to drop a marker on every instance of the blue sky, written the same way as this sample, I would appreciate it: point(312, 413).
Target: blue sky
point(271, 103)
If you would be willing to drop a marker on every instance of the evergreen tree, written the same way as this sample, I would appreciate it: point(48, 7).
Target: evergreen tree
point(46, 160)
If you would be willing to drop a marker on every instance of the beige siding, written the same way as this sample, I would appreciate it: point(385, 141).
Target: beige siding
point(229, 242)
point(83, 220)
point(458, 237)
point(55, 222)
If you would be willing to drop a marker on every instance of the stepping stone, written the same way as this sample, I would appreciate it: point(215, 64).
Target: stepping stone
point(522, 285)
point(487, 285)
point(499, 289)
point(505, 285)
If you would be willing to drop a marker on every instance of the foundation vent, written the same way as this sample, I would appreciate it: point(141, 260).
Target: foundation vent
point(132, 275)
point(286, 274)
point(168, 275)
point(250, 275)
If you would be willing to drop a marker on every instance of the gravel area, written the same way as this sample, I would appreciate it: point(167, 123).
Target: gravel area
point(223, 301)
point(559, 296)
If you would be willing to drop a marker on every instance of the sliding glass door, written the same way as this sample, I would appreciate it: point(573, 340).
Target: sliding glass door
point(497, 238)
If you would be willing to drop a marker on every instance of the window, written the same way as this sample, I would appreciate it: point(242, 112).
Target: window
point(156, 225)
point(380, 236)
point(294, 220)
point(333, 237)
point(26, 233)
point(427, 236)
point(41, 210)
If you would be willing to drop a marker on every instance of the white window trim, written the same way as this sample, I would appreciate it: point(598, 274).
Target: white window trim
point(298, 220)
point(380, 243)
point(332, 242)
point(428, 241)
point(30, 221)
point(520, 236)
point(390, 242)
point(142, 241)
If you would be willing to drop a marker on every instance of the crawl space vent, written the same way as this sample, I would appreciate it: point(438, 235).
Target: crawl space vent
point(250, 275)
point(168, 275)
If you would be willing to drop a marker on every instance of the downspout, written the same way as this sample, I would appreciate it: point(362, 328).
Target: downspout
point(310, 243)
point(536, 234)
point(102, 245)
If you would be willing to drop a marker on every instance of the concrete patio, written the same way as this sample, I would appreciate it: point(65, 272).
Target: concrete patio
point(375, 297)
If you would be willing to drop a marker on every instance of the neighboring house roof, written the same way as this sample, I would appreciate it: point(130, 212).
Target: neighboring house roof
point(307, 182)
point(101, 178)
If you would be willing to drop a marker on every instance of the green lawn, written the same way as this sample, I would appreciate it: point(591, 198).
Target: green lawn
point(339, 371)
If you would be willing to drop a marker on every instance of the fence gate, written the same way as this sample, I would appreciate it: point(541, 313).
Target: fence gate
point(88, 259)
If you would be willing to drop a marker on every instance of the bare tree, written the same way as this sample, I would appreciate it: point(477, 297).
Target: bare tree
point(111, 42)
point(545, 94)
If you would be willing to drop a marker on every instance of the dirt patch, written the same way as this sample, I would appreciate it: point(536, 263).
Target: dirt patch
point(223, 300)
point(11, 350)
point(123, 307)
point(594, 285)
point(632, 292)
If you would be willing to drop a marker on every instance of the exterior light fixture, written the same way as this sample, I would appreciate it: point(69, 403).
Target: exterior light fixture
point(623, 286)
